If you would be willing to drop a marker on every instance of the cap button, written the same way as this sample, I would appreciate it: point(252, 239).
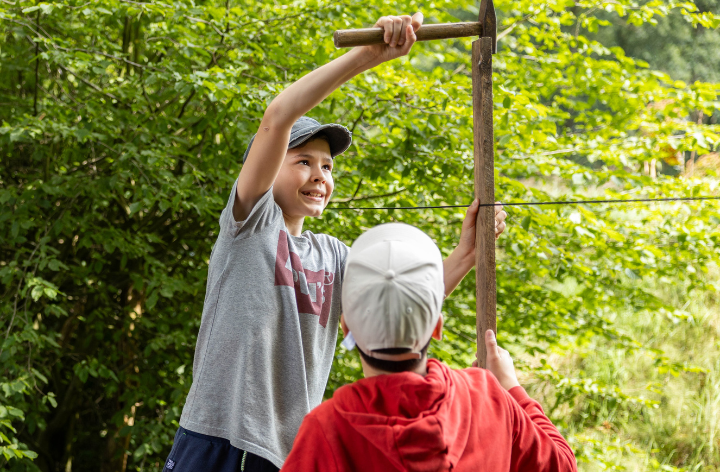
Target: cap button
point(390, 274)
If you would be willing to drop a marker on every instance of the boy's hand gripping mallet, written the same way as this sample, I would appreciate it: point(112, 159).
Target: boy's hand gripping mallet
point(482, 51)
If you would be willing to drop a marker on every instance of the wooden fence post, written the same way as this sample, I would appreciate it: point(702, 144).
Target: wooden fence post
point(485, 288)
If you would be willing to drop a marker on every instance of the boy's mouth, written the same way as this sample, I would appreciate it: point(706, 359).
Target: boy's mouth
point(316, 196)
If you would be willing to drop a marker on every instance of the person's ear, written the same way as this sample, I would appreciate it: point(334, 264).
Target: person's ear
point(343, 325)
point(437, 332)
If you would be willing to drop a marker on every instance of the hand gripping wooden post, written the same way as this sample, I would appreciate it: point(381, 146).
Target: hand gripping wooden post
point(482, 51)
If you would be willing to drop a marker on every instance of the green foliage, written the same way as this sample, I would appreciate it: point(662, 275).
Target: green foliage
point(122, 128)
point(684, 49)
point(680, 432)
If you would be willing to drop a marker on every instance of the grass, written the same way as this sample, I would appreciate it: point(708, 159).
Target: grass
point(682, 432)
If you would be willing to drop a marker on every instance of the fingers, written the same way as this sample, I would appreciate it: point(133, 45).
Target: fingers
point(409, 41)
point(406, 20)
point(471, 217)
point(397, 23)
point(385, 22)
point(500, 216)
point(400, 30)
point(499, 228)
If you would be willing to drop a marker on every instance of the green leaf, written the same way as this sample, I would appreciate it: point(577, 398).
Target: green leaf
point(152, 300)
point(12, 411)
point(135, 207)
point(37, 292)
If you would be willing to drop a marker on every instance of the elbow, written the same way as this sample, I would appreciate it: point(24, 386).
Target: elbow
point(571, 460)
point(277, 115)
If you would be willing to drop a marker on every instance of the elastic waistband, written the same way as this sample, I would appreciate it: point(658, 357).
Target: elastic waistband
point(214, 439)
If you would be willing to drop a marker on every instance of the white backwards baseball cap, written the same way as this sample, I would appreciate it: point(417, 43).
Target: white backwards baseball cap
point(393, 291)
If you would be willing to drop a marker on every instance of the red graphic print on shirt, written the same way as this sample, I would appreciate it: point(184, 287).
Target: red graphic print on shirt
point(313, 290)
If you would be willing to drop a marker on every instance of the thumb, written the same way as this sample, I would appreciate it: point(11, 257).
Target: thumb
point(417, 21)
point(490, 343)
point(471, 215)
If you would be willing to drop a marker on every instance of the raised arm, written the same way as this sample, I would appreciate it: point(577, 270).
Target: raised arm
point(537, 444)
point(270, 146)
point(462, 259)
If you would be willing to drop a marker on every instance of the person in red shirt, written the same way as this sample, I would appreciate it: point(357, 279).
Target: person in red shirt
point(411, 413)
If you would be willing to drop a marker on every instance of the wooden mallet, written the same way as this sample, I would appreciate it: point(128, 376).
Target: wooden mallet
point(482, 51)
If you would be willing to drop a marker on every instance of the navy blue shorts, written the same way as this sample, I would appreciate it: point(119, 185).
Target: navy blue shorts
point(195, 452)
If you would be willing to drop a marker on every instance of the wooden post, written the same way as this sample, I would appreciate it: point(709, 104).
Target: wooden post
point(485, 288)
point(482, 51)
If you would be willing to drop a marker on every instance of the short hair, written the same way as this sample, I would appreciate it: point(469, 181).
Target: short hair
point(321, 135)
point(394, 366)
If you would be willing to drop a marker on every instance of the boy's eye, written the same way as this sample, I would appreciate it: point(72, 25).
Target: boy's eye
point(305, 162)
point(327, 167)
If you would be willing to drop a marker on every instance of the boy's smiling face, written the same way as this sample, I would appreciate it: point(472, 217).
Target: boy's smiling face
point(304, 184)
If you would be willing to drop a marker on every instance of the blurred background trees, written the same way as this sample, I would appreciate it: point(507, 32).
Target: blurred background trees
point(122, 128)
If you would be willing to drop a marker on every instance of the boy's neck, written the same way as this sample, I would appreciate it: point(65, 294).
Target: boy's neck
point(370, 371)
point(294, 224)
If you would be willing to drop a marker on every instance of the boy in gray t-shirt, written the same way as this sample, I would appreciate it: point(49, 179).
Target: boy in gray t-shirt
point(272, 304)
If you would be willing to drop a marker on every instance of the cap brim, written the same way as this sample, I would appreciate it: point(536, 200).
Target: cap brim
point(339, 137)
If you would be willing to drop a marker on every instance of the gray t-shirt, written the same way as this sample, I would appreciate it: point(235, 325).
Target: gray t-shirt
point(268, 331)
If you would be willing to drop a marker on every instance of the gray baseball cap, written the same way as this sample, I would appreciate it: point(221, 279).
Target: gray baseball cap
point(338, 136)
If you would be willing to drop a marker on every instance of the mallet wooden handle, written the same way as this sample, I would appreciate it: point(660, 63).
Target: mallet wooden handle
point(369, 36)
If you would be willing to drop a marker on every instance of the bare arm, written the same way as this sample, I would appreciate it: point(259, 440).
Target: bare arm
point(462, 259)
point(270, 146)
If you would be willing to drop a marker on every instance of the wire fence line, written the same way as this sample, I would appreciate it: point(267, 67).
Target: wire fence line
point(567, 202)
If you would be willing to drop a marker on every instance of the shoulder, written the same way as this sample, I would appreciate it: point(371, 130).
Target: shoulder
point(311, 449)
point(263, 214)
point(331, 242)
point(484, 384)
point(326, 238)
point(319, 418)
point(476, 376)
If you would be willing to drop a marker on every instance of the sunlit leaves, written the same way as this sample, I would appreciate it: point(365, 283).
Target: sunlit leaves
point(112, 182)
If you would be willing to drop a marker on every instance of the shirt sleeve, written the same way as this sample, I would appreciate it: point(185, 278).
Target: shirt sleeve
point(344, 250)
point(537, 444)
point(264, 214)
point(311, 450)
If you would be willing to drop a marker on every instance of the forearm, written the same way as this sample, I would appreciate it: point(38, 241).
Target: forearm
point(455, 267)
point(303, 95)
point(543, 447)
point(270, 145)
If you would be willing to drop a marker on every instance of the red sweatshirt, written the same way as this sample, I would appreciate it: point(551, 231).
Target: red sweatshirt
point(459, 420)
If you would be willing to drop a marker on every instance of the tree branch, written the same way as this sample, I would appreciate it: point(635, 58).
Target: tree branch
point(182, 110)
point(90, 84)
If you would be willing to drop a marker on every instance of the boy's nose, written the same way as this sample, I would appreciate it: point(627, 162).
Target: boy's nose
point(318, 179)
